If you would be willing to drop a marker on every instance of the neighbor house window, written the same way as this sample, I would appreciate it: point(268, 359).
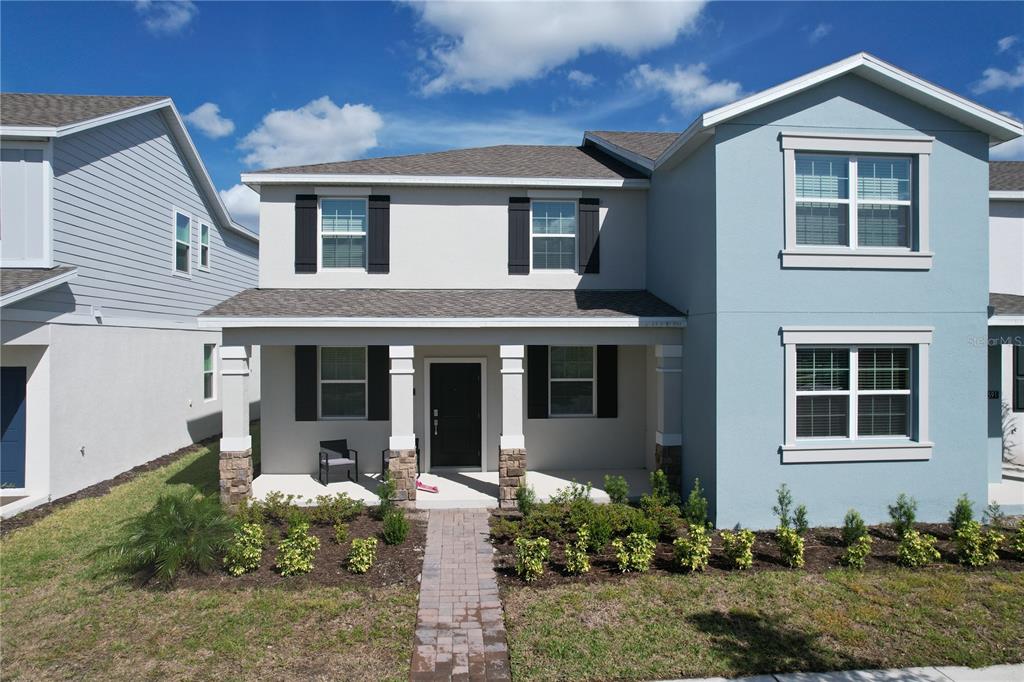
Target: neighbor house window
point(209, 370)
point(571, 381)
point(343, 233)
point(182, 243)
point(553, 229)
point(343, 382)
point(204, 246)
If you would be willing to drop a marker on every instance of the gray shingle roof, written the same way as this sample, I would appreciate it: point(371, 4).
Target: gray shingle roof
point(29, 109)
point(13, 279)
point(648, 145)
point(533, 161)
point(1006, 304)
point(1006, 176)
point(411, 303)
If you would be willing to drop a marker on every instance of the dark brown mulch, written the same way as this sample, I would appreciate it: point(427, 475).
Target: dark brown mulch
point(822, 549)
point(395, 564)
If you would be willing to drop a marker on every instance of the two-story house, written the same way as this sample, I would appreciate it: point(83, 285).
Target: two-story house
point(113, 240)
point(792, 290)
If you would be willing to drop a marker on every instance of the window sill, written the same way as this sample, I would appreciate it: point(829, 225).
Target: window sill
point(325, 418)
point(863, 259)
point(882, 450)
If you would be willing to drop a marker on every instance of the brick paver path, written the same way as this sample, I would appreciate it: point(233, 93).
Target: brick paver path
point(460, 634)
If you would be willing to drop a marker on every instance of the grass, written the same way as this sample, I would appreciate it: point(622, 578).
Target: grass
point(65, 618)
point(658, 626)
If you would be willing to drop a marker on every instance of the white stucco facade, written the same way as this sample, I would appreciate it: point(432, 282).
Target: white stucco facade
point(1006, 247)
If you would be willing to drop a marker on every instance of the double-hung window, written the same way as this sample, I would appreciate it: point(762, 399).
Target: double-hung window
point(343, 233)
point(182, 243)
point(343, 382)
point(209, 370)
point(204, 246)
point(572, 381)
point(553, 235)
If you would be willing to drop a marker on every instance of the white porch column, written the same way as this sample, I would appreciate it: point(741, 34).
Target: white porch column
point(668, 448)
point(512, 446)
point(401, 464)
point(235, 442)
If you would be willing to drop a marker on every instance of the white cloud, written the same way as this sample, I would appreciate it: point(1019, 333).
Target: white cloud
point(489, 45)
point(448, 133)
point(819, 32)
point(207, 118)
point(997, 79)
point(1004, 44)
point(319, 131)
point(1009, 151)
point(688, 86)
point(582, 78)
point(166, 17)
point(243, 204)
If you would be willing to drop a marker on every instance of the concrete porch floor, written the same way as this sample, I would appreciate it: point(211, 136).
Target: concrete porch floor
point(456, 489)
point(1009, 493)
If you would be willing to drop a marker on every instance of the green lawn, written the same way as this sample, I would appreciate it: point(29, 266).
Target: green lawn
point(663, 626)
point(62, 619)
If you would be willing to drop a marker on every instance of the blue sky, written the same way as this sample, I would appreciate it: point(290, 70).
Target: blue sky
point(271, 84)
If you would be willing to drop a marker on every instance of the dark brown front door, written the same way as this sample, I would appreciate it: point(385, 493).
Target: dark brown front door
point(455, 414)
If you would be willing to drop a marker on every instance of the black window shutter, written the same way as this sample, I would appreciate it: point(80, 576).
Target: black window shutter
point(378, 383)
point(305, 384)
point(607, 382)
point(1018, 378)
point(378, 251)
point(589, 240)
point(305, 233)
point(537, 382)
point(518, 236)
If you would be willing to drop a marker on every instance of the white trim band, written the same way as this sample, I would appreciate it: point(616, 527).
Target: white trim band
point(857, 335)
point(320, 179)
point(668, 439)
point(848, 451)
point(236, 444)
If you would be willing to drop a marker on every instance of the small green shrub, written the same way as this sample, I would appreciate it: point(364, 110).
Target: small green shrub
point(503, 529)
point(182, 531)
point(791, 546)
point(962, 512)
point(361, 555)
point(661, 490)
point(526, 499)
point(330, 510)
point(800, 522)
point(576, 560)
point(903, 514)
point(341, 533)
point(665, 517)
point(977, 547)
point(916, 549)
point(738, 547)
point(617, 489)
point(296, 552)
point(282, 508)
point(634, 553)
point(530, 557)
point(386, 488)
point(245, 551)
point(693, 549)
point(572, 493)
point(994, 516)
point(396, 526)
point(1017, 542)
point(853, 528)
point(250, 510)
point(596, 518)
point(545, 520)
point(695, 511)
point(783, 504)
point(856, 553)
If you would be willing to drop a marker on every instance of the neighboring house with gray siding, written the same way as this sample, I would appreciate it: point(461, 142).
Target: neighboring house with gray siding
point(113, 240)
point(792, 290)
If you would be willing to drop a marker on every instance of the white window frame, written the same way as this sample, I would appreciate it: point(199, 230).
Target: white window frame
point(175, 212)
point(915, 256)
point(208, 246)
point(853, 448)
point(212, 370)
point(365, 234)
point(575, 235)
point(592, 380)
point(320, 381)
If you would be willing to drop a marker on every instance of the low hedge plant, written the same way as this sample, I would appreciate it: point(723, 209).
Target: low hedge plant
point(916, 549)
point(791, 546)
point(634, 552)
point(530, 557)
point(245, 550)
point(692, 550)
point(856, 553)
point(976, 546)
point(361, 555)
point(738, 547)
point(577, 562)
point(297, 550)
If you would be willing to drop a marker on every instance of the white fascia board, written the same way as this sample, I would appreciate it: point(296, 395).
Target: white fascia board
point(1006, 195)
point(37, 288)
point(254, 180)
point(443, 322)
point(1006, 321)
point(624, 154)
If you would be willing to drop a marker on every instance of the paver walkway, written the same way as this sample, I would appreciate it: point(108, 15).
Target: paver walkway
point(460, 633)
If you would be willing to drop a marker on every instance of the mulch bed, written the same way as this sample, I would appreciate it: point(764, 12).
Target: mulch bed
point(822, 549)
point(396, 565)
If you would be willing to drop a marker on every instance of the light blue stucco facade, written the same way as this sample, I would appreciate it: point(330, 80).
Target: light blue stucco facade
point(739, 297)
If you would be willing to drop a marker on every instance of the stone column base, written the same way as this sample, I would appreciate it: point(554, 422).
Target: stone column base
point(511, 475)
point(669, 458)
point(235, 478)
point(401, 466)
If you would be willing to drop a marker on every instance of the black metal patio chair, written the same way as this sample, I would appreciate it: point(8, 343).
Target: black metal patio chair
point(337, 457)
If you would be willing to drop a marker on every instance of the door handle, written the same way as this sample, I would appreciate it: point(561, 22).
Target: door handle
point(435, 427)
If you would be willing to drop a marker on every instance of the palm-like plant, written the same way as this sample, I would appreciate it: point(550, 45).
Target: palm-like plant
point(181, 531)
